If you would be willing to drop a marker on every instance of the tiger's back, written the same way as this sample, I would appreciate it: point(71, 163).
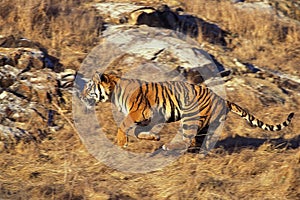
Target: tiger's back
point(165, 98)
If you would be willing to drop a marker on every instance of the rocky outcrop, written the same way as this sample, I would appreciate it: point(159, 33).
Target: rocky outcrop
point(25, 54)
point(163, 54)
point(162, 17)
point(31, 82)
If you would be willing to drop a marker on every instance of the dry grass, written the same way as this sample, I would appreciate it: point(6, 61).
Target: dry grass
point(63, 27)
point(256, 36)
point(63, 169)
point(263, 26)
point(60, 167)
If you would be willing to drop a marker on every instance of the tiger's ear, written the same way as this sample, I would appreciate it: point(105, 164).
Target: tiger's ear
point(96, 77)
point(104, 78)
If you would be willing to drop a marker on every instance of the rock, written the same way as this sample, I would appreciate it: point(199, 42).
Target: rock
point(23, 90)
point(163, 17)
point(114, 12)
point(26, 54)
point(29, 85)
point(8, 75)
point(163, 53)
point(237, 1)
point(11, 134)
point(262, 6)
point(15, 42)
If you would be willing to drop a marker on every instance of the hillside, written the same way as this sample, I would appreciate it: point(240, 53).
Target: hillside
point(45, 44)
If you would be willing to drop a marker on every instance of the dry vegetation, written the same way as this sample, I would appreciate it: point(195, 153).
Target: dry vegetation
point(260, 38)
point(60, 167)
point(64, 28)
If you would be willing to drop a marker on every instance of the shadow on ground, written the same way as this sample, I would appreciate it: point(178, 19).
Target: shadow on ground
point(237, 143)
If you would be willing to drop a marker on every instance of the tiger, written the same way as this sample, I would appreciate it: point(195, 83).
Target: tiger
point(146, 104)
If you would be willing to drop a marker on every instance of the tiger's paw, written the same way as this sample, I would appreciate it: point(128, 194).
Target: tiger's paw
point(122, 143)
point(165, 147)
point(175, 146)
point(148, 136)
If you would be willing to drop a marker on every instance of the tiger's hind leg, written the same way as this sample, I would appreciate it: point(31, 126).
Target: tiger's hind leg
point(213, 132)
point(190, 128)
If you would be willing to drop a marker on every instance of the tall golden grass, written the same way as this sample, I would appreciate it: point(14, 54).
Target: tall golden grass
point(60, 26)
point(257, 36)
point(258, 24)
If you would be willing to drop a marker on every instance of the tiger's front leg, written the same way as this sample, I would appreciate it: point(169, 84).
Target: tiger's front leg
point(125, 126)
point(128, 123)
point(122, 138)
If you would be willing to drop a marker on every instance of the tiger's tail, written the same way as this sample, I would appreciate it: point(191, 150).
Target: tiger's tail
point(256, 122)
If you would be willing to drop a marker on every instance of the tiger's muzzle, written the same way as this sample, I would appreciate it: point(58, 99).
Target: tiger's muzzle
point(88, 102)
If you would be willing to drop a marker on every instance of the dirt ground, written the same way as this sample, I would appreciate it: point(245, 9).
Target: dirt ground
point(247, 163)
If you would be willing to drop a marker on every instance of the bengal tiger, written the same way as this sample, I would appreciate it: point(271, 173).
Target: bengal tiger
point(146, 104)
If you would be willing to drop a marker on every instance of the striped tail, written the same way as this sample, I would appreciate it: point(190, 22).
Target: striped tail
point(256, 122)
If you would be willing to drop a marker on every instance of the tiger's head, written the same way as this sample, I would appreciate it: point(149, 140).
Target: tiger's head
point(98, 89)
